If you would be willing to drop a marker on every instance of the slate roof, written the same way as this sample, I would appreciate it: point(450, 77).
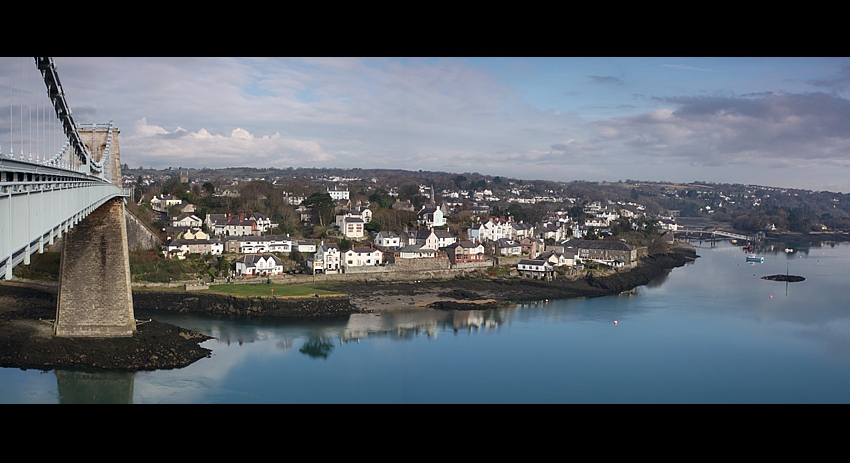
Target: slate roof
point(364, 250)
point(252, 259)
point(463, 244)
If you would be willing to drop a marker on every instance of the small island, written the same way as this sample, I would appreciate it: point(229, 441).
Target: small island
point(791, 278)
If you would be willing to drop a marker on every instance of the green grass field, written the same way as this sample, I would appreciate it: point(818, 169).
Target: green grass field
point(266, 290)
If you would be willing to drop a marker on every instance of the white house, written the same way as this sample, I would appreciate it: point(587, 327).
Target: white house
point(186, 220)
point(491, 230)
point(362, 256)
point(535, 268)
point(665, 223)
point(259, 265)
point(432, 215)
point(329, 256)
point(180, 248)
point(359, 212)
point(162, 203)
point(236, 227)
point(387, 239)
point(264, 224)
point(508, 247)
point(521, 230)
point(434, 239)
point(353, 227)
point(304, 246)
point(259, 244)
point(415, 251)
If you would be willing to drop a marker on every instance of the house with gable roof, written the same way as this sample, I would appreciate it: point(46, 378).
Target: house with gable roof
point(253, 265)
point(327, 258)
point(186, 219)
point(432, 215)
point(535, 268)
point(387, 240)
point(465, 251)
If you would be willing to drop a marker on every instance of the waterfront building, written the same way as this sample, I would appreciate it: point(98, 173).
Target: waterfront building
point(535, 268)
point(605, 252)
point(259, 265)
point(328, 254)
point(465, 251)
point(362, 256)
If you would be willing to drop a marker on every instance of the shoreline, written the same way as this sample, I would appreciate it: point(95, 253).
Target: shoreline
point(482, 293)
point(27, 342)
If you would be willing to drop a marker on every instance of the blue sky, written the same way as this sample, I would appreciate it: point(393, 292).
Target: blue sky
point(770, 121)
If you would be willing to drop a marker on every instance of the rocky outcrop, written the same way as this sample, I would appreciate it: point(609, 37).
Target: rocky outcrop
point(220, 304)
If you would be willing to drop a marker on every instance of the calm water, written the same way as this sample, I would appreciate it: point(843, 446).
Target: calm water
point(706, 333)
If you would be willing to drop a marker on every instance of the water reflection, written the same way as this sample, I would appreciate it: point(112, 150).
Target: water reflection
point(94, 387)
point(317, 348)
point(717, 314)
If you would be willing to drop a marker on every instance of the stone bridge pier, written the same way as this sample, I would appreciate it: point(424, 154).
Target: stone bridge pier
point(95, 296)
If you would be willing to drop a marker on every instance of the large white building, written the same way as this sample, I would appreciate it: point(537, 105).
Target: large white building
point(338, 194)
point(259, 244)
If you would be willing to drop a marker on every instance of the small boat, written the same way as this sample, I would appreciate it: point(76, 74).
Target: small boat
point(789, 250)
point(755, 258)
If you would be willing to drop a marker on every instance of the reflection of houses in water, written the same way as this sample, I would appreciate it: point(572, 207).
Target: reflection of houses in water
point(239, 334)
point(404, 324)
point(470, 319)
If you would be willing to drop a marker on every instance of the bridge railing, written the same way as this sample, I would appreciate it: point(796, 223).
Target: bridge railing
point(38, 203)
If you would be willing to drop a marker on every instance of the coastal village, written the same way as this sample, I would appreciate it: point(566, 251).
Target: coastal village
point(447, 231)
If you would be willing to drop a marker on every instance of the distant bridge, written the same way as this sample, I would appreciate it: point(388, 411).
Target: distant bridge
point(44, 197)
point(714, 233)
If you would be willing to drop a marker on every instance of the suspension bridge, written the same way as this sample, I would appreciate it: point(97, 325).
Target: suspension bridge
point(62, 180)
point(714, 234)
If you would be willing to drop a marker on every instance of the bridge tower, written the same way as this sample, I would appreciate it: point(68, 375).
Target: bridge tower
point(95, 296)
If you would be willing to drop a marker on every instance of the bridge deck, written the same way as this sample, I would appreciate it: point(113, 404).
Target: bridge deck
point(39, 202)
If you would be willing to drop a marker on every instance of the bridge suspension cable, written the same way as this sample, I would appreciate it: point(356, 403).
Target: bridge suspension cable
point(51, 188)
point(39, 135)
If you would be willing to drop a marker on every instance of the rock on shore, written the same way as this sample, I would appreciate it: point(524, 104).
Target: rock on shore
point(27, 341)
point(155, 346)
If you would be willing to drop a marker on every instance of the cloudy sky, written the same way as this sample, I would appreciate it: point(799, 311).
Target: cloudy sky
point(769, 121)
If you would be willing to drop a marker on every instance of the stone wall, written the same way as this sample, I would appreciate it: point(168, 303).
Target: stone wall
point(387, 276)
point(425, 264)
point(139, 236)
point(471, 265)
point(509, 260)
point(367, 269)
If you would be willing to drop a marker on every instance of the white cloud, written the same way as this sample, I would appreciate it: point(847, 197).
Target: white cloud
point(240, 148)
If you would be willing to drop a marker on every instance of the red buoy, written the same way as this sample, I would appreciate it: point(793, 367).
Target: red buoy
point(615, 322)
